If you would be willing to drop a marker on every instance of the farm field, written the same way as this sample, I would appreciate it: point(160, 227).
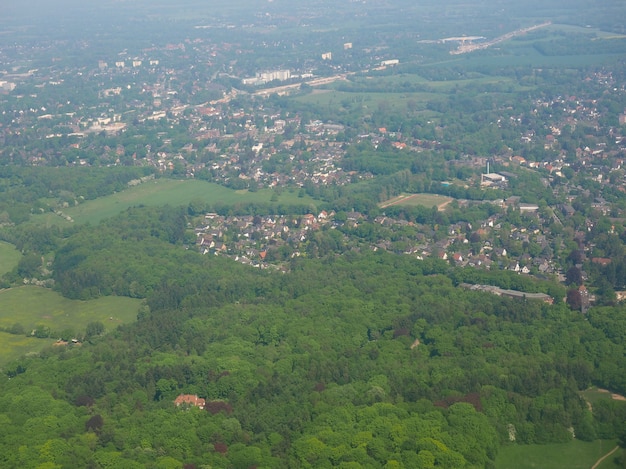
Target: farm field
point(426, 200)
point(9, 257)
point(574, 455)
point(166, 192)
point(32, 306)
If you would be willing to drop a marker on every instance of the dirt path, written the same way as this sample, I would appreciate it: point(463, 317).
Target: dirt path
point(394, 201)
point(599, 461)
point(442, 207)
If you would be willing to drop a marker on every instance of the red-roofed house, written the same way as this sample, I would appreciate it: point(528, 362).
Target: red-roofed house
point(603, 261)
point(190, 400)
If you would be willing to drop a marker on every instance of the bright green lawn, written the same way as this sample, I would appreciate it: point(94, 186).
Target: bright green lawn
point(9, 257)
point(574, 455)
point(31, 306)
point(170, 192)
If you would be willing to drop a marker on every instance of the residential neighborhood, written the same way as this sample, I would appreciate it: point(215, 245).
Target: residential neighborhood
point(544, 186)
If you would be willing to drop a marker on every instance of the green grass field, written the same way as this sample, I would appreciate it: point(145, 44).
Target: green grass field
point(365, 94)
point(333, 98)
point(31, 306)
point(9, 257)
point(445, 85)
point(13, 346)
point(574, 455)
point(166, 192)
point(569, 28)
point(413, 200)
point(593, 395)
point(612, 462)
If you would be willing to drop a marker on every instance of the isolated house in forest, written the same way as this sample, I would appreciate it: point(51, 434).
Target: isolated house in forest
point(190, 400)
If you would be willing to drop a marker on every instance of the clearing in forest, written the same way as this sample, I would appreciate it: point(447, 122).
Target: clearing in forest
point(573, 455)
point(31, 307)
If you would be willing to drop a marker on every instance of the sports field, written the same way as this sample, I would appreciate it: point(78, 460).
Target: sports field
point(412, 200)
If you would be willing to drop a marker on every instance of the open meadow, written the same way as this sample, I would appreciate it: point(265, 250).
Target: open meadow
point(332, 98)
point(31, 307)
point(9, 257)
point(598, 33)
point(594, 394)
point(12, 347)
point(167, 192)
point(574, 455)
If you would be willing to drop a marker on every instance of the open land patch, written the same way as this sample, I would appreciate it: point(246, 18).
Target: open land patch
point(573, 455)
point(614, 396)
point(168, 192)
point(14, 346)
point(33, 306)
point(570, 28)
point(593, 394)
point(600, 462)
point(363, 98)
point(426, 200)
point(9, 257)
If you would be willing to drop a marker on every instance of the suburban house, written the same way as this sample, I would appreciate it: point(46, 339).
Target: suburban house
point(190, 400)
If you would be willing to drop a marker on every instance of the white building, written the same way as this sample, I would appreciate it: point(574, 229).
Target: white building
point(490, 179)
point(7, 86)
point(385, 63)
point(266, 77)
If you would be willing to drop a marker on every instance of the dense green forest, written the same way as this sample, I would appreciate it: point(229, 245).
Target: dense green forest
point(359, 360)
